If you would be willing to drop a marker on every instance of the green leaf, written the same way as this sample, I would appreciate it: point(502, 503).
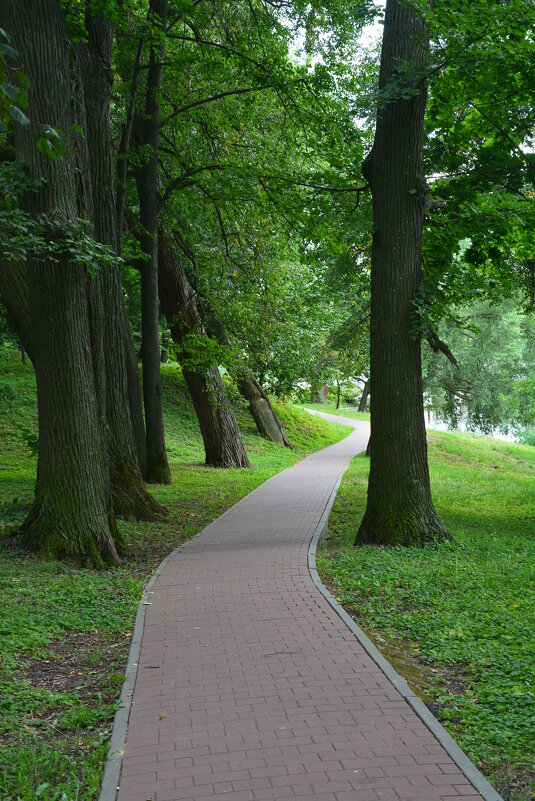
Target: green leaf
point(23, 79)
point(7, 50)
point(10, 91)
point(18, 115)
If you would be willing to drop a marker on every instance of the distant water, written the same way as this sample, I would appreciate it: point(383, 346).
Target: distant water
point(435, 423)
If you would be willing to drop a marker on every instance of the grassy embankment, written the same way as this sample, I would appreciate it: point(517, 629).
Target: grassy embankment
point(458, 619)
point(65, 630)
point(330, 408)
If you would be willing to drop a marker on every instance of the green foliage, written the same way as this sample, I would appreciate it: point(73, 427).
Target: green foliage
point(465, 607)
point(493, 386)
point(12, 98)
point(40, 237)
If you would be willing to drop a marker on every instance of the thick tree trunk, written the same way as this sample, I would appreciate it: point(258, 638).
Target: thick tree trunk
point(130, 496)
point(399, 508)
point(72, 512)
point(147, 186)
point(14, 293)
point(223, 445)
point(364, 397)
point(222, 438)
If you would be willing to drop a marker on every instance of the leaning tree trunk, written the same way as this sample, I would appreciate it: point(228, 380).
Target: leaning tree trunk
point(262, 411)
point(364, 397)
point(399, 508)
point(72, 511)
point(264, 415)
point(222, 438)
point(147, 186)
point(130, 496)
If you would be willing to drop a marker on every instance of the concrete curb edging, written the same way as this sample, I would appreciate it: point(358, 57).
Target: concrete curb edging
point(112, 767)
point(478, 781)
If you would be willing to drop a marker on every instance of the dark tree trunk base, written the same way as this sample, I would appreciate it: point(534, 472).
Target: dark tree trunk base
point(158, 471)
point(131, 500)
point(410, 528)
point(44, 531)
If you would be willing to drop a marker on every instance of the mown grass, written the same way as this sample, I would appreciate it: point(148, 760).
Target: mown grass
point(65, 630)
point(464, 611)
point(343, 411)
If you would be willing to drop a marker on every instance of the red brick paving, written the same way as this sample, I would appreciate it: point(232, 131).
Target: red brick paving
point(250, 687)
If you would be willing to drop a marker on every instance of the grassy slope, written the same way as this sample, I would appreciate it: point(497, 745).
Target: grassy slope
point(465, 611)
point(343, 411)
point(65, 631)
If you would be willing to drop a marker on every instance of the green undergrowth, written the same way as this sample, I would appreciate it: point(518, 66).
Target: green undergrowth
point(65, 630)
point(462, 613)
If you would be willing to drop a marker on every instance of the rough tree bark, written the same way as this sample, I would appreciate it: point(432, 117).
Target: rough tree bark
point(364, 397)
point(14, 293)
point(147, 186)
point(72, 512)
point(399, 508)
point(222, 438)
point(130, 496)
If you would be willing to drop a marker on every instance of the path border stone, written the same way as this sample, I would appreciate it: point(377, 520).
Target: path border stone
point(112, 768)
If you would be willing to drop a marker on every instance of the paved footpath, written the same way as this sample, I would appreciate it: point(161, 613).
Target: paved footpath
point(251, 687)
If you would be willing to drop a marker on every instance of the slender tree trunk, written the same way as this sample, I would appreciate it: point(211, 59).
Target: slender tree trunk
point(337, 394)
point(147, 185)
point(222, 438)
point(399, 508)
point(130, 496)
point(364, 397)
point(72, 512)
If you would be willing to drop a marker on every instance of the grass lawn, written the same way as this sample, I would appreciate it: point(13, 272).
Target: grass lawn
point(343, 411)
point(65, 630)
point(458, 619)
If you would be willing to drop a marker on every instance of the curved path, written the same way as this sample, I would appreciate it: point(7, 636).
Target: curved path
point(250, 686)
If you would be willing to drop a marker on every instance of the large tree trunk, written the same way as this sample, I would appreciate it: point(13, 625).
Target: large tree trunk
point(130, 496)
point(364, 397)
point(147, 186)
point(14, 293)
point(399, 508)
point(72, 513)
point(222, 438)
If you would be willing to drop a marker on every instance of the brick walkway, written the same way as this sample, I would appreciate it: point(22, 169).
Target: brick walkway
point(249, 685)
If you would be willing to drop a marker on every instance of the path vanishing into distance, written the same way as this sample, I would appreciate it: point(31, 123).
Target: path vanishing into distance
point(251, 685)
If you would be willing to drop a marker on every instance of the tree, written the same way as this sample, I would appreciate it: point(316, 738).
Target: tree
point(68, 301)
point(147, 185)
point(72, 511)
point(223, 443)
point(399, 507)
